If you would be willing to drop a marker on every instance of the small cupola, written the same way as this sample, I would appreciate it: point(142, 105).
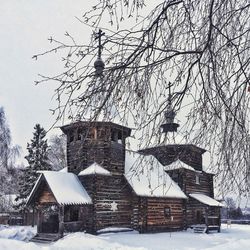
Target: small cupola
point(170, 125)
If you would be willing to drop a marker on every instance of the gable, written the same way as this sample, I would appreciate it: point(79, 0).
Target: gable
point(147, 177)
point(41, 193)
point(63, 187)
point(187, 153)
point(46, 196)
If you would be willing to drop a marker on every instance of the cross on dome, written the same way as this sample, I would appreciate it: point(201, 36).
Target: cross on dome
point(170, 125)
point(99, 64)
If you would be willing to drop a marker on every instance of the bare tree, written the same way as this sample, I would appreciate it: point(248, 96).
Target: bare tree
point(202, 47)
point(57, 151)
point(8, 154)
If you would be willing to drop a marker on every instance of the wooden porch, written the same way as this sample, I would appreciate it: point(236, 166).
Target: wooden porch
point(207, 224)
point(61, 203)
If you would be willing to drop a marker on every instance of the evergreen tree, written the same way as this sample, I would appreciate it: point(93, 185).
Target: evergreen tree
point(37, 160)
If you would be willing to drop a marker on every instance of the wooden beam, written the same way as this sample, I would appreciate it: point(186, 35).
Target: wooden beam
point(39, 220)
point(33, 215)
point(61, 220)
point(206, 219)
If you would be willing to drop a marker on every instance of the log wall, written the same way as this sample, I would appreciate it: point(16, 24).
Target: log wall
point(186, 179)
point(149, 214)
point(205, 185)
point(103, 143)
point(46, 196)
point(157, 220)
point(105, 190)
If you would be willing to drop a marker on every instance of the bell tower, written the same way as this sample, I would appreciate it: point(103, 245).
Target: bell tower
point(100, 142)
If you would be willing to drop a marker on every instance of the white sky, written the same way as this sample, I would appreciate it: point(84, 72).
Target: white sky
point(25, 27)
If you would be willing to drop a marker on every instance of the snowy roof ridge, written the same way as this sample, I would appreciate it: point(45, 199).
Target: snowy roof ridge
point(206, 200)
point(177, 165)
point(94, 169)
point(66, 188)
point(147, 177)
point(64, 170)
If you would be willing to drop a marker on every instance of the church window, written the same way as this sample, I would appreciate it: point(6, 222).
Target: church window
point(119, 137)
point(197, 179)
point(71, 213)
point(92, 133)
point(114, 136)
point(74, 214)
point(79, 135)
point(167, 212)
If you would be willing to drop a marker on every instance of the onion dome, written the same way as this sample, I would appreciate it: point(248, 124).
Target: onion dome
point(99, 66)
point(170, 125)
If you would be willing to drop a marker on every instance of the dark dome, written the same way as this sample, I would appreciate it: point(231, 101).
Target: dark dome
point(99, 63)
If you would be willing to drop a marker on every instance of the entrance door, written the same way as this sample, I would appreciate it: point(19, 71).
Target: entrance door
point(50, 220)
point(198, 217)
point(51, 225)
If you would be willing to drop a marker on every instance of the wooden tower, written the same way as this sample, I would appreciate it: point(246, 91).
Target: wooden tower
point(96, 153)
point(100, 142)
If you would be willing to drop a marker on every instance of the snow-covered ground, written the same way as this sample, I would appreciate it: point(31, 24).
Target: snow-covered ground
point(236, 237)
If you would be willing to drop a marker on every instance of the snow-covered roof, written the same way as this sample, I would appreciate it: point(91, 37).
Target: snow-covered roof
point(148, 178)
point(94, 169)
point(206, 200)
point(178, 165)
point(65, 170)
point(66, 188)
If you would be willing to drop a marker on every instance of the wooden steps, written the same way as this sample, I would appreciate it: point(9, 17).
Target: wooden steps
point(214, 228)
point(45, 238)
point(200, 228)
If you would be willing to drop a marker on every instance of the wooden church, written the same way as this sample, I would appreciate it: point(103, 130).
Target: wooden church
point(107, 187)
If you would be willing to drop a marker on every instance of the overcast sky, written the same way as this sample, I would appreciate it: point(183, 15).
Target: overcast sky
point(25, 28)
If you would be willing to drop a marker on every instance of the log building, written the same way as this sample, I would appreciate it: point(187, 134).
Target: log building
point(105, 186)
